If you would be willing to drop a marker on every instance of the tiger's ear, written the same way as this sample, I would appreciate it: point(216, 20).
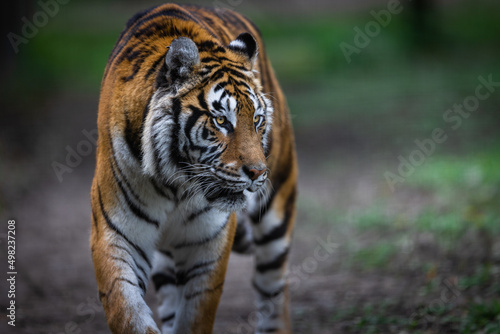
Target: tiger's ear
point(181, 57)
point(245, 44)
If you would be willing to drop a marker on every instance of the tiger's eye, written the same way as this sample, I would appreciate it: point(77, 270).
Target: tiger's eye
point(256, 118)
point(220, 120)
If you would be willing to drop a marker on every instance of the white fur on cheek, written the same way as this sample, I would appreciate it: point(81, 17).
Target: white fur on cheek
point(158, 122)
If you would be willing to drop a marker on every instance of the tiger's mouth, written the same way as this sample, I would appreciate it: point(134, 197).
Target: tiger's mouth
point(227, 194)
point(227, 199)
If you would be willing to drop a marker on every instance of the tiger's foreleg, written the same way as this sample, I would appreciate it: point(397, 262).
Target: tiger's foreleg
point(272, 237)
point(200, 268)
point(167, 292)
point(122, 263)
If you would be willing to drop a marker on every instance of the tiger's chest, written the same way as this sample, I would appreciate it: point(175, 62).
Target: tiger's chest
point(187, 221)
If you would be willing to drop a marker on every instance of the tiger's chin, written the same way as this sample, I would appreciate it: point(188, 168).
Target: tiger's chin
point(228, 200)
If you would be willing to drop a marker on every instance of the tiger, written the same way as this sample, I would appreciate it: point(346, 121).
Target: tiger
point(195, 158)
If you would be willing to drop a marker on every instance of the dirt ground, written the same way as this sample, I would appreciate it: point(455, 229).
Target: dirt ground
point(56, 290)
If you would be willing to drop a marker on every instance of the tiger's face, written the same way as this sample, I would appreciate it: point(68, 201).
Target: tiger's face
point(209, 123)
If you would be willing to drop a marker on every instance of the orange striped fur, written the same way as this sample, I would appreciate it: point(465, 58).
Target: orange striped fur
point(195, 157)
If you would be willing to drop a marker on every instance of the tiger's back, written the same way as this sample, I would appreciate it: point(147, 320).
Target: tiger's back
point(188, 137)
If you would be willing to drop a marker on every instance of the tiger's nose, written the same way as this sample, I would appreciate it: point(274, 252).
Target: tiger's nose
point(254, 172)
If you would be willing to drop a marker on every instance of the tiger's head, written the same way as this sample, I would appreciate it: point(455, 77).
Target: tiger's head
point(209, 123)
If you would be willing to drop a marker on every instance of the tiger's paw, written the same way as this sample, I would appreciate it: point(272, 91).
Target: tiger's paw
point(138, 322)
point(145, 324)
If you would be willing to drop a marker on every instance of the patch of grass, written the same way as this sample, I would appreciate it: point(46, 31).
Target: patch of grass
point(374, 217)
point(481, 277)
point(372, 318)
point(477, 318)
point(447, 227)
point(482, 318)
point(375, 256)
point(467, 193)
point(471, 172)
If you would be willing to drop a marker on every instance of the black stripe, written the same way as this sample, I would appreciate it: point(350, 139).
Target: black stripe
point(209, 59)
point(202, 102)
point(228, 62)
point(154, 66)
point(204, 240)
point(120, 233)
point(198, 213)
point(141, 57)
point(132, 138)
point(166, 253)
point(101, 295)
point(241, 232)
point(279, 231)
point(156, 155)
point(276, 233)
point(142, 285)
point(158, 29)
point(217, 106)
point(132, 206)
point(162, 279)
point(202, 264)
point(122, 279)
point(277, 263)
point(190, 123)
point(175, 153)
point(133, 135)
point(161, 77)
point(122, 176)
point(209, 290)
point(229, 17)
point(94, 218)
point(160, 191)
point(266, 294)
point(127, 34)
point(219, 73)
point(143, 271)
point(219, 32)
point(256, 216)
point(210, 46)
point(169, 317)
point(183, 277)
point(237, 66)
